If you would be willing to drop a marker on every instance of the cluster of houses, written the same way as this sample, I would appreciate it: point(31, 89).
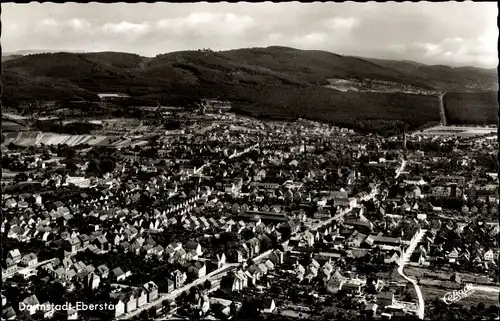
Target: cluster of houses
point(252, 274)
point(16, 262)
point(249, 177)
point(129, 299)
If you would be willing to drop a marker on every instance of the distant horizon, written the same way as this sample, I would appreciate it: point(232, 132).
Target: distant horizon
point(35, 51)
point(442, 33)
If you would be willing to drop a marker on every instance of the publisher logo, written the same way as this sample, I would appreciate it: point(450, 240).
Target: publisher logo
point(457, 295)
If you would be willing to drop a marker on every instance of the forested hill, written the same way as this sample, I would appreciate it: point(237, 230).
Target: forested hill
point(273, 81)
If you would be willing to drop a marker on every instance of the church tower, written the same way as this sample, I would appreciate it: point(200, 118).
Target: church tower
point(404, 135)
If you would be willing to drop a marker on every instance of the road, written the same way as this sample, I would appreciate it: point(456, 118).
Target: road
point(405, 260)
point(401, 169)
point(442, 112)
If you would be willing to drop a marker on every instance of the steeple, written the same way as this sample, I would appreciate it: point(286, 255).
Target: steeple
point(404, 135)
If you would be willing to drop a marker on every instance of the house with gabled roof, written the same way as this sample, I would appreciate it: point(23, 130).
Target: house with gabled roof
point(151, 291)
point(236, 255)
point(32, 303)
point(452, 256)
point(15, 256)
point(269, 265)
point(254, 245)
point(69, 275)
point(118, 274)
point(220, 260)
point(195, 246)
point(118, 307)
point(489, 255)
point(142, 296)
point(103, 271)
point(277, 257)
point(180, 255)
point(179, 278)
point(73, 244)
point(29, 259)
point(92, 281)
point(130, 301)
point(385, 299)
point(198, 269)
point(256, 272)
point(158, 250)
point(230, 283)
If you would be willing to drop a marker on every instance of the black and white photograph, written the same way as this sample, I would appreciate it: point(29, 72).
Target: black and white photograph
point(250, 161)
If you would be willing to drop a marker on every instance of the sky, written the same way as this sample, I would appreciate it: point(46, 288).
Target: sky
point(449, 33)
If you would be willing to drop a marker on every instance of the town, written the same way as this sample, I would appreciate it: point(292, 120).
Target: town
point(219, 216)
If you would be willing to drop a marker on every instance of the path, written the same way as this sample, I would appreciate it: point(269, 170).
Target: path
point(405, 259)
point(442, 112)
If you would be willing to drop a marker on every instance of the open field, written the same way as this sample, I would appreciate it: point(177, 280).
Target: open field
point(439, 276)
point(14, 116)
point(38, 138)
point(6, 174)
point(487, 298)
point(462, 131)
point(10, 126)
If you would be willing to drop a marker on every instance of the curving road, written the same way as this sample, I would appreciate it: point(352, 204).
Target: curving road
point(401, 169)
point(403, 261)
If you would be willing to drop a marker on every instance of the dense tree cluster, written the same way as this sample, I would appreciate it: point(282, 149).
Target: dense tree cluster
point(273, 82)
point(74, 128)
point(471, 108)
point(102, 160)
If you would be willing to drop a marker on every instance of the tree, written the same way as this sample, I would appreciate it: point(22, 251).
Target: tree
point(21, 177)
point(71, 166)
point(57, 292)
point(107, 165)
point(69, 153)
point(94, 167)
point(493, 309)
point(166, 305)
point(152, 311)
point(144, 315)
